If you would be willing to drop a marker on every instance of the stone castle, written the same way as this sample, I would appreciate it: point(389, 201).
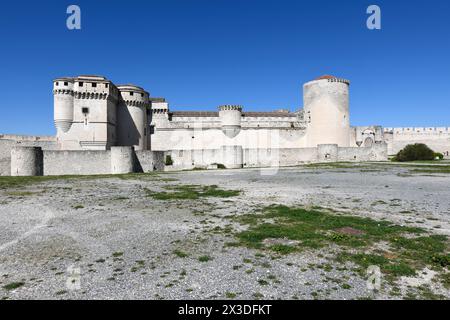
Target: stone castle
point(103, 128)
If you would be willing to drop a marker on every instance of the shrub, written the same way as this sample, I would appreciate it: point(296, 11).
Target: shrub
point(169, 160)
point(413, 152)
point(438, 156)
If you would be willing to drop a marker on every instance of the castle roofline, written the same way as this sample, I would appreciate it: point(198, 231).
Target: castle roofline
point(329, 78)
point(276, 114)
point(92, 77)
point(157, 99)
point(129, 86)
point(326, 76)
point(63, 79)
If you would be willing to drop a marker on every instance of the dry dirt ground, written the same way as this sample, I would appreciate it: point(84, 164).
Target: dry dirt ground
point(149, 236)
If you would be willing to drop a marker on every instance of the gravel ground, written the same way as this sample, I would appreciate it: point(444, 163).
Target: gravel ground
point(103, 238)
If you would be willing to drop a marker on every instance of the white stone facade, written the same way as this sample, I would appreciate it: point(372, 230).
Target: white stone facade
point(126, 116)
point(91, 113)
point(98, 122)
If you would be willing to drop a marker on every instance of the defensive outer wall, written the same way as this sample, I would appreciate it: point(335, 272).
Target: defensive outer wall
point(28, 160)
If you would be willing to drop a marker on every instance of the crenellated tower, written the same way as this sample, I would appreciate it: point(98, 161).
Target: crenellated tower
point(133, 127)
point(230, 118)
point(326, 111)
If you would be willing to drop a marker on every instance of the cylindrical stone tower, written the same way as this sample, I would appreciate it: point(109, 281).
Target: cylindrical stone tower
point(232, 157)
point(122, 160)
point(326, 109)
point(230, 117)
point(27, 161)
point(132, 117)
point(63, 103)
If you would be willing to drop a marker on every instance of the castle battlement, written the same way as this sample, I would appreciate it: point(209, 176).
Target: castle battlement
point(418, 130)
point(228, 107)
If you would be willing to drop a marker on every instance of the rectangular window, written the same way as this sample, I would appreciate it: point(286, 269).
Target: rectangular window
point(131, 93)
point(80, 84)
point(106, 85)
point(85, 110)
point(94, 85)
point(142, 94)
point(66, 83)
point(57, 83)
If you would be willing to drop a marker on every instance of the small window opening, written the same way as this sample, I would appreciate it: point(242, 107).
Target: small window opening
point(66, 83)
point(131, 93)
point(94, 85)
point(57, 83)
point(85, 110)
point(80, 83)
point(106, 85)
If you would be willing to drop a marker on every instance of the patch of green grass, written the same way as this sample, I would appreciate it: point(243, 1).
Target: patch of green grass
point(192, 192)
point(314, 228)
point(120, 198)
point(283, 249)
point(263, 282)
point(444, 279)
point(78, 206)
point(204, 258)
point(258, 295)
point(387, 266)
point(430, 169)
point(117, 254)
point(61, 292)
point(332, 165)
point(230, 295)
point(346, 286)
point(13, 285)
point(7, 182)
point(427, 294)
point(180, 253)
point(413, 249)
point(20, 193)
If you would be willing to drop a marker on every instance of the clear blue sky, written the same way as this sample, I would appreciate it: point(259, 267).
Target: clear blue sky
point(199, 54)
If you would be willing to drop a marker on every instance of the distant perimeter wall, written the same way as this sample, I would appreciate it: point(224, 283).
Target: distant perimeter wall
point(437, 139)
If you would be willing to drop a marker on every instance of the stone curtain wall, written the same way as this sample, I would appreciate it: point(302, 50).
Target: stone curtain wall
point(279, 157)
point(147, 161)
point(378, 152)
point(76, 162)
point(273, 157)
point(437, 139)
point(126, 160)
point(97, 162)
point(7, 142)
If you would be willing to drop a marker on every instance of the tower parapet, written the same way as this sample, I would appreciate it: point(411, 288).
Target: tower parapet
point(230, 117)
point(159, 106)
point(95, 87)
